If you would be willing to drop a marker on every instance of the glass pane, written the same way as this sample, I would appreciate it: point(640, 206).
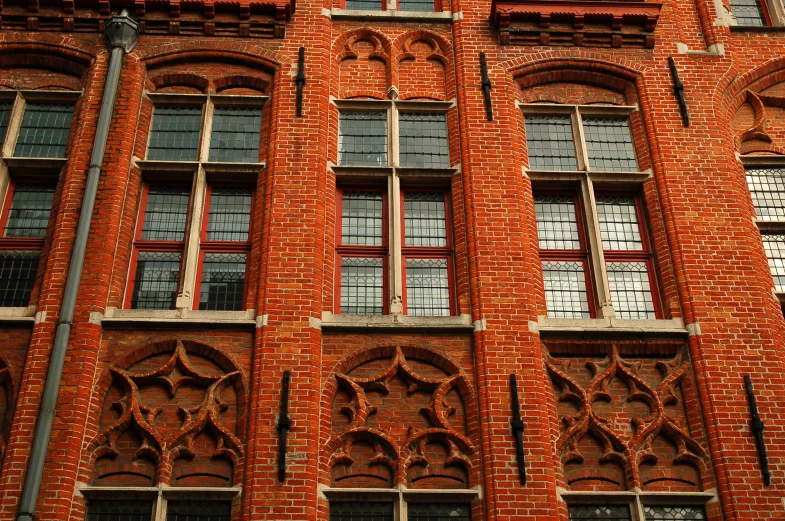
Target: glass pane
point(362, 219)
point(748, 13)
point(557, 222)
point(619, 223)
point(5, 116)
point(223, 282)
point(630, 290)
point(362, 139)
point(550, 143)
point(230, 214)
point(427, 288)
point(362, 286)
point(166, 213)
point(175, 133)
point(17, 277)
point(565, 289)
point(44, 131)
point(439, 512)
point(119, 510)
point(198, 510)
point(609, 144)
point(30, 209)
point(361, 512)
point(235, 137)
point(155, 283)
point(424, 138)
point(775, 251)
point(366, 5)
point(425, 220)
point(599, 513)
point(674, 513)
point(424, 6)
point(767, 187)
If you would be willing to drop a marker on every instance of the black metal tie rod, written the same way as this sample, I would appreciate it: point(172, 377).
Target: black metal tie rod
point(517, 429)
point(300, 79)
point(678, 90)
point(486, 87)
point(756, 426)
point(284, 424)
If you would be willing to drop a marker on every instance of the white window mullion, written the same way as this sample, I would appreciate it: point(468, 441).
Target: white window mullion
point(185, 298)
point(159, 507)
point(580, 141)
point(207, 127)
point(14, 124)
point(596, 255)
point(395, 238)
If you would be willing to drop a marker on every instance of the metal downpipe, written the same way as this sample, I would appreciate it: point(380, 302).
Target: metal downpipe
point(121, 32)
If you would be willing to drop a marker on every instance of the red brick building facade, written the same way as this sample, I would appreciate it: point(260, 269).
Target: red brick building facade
point(427, 199)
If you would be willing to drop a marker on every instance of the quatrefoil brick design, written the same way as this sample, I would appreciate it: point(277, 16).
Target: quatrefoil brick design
point(623, 422)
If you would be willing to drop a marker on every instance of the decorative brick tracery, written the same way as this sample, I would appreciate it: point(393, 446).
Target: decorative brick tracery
point(759, 122)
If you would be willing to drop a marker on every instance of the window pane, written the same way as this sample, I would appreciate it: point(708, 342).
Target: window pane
point(44, 131)
point(439, 512)
point(119, 510)
point(30, 208)
point(175, 133)
point(565, 289)
point(630, 290)
point(166, 213)
point(425, 6)
point(609, 144)
point(5, 116)
point(361, 512)
point(425, 221)
point(669, 513)
point(362, 219)
point(223, 282)
point(767, 187)
point(424, 138)
point(775, 251)
point(550, 143)
point(230, 214)
point(367, 5)
point(362, 139)
point(155, 284)
point(362, 286)
point(557, 222)
point(601, 513)
point(198, 510)
point(235, 137)
point(748, 13)
point(17, 277)
point(427, 288)
point(619, 223)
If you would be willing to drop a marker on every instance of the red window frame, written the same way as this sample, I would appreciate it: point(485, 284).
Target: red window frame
point(20, 243)
point(206, 246)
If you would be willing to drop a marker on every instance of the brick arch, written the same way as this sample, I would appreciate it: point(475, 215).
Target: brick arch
point(375, 68)
point(241, 81)
point(757, 79)
point(748, 89)
point(166, 79)
point(411, 69)
point(43, 67)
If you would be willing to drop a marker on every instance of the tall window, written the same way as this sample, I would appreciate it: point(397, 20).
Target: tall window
point(193, 235)
point(173, 510)
point(596, 256)
point(34, 127)
point(767, 188)
point(750, 13)
point(623, 512)
point(394, 244)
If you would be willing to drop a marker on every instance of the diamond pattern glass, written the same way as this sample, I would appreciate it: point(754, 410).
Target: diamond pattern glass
point(361, 512)
point(619, 225)
point(565, 289)
point(630, 289)
point(775, 251)
point(175, 134)
point(223, 282)
point(229, 217)
point(557, 222)
point(364, 5)
point(767, 187)
point(423, 6)
point(119, 510)
point(44, 130)
point(424, 139)
point(17, 277)
point(599, 513)
point(427, 288)
point(686, 513)
point(166, 213)
point(362, 286)
point(425, 221)
point(748, 13)
point(439, 512)
point(5, 116)
point(550, 142)
point(155, 283)
point(30, 209)
point(198, 510)
point(235, 136)
point(362, 219)
point(609, 144)
point(362, 139)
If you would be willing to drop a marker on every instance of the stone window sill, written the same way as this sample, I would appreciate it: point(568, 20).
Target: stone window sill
point(21, 315)
point(391, 16)
point(131, 493)
point(610, 326)
point(174, 319)
point(461, 323)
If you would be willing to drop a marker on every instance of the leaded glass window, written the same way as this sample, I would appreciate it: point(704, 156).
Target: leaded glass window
point(427, 287)
point(557, 222)
point(619, 225)
point(599, 513)
point(362, 139)
point(425, 220)
point(423, 139)
point(5, 117)
point(362, 286)
point(679, 513)
point(550, 143)
point(361, 511)
point(44, 130)
point(767, 187)
point(30, 207)
point(235, 135)
point(166, 213)
point(748, 13)
point(198, 510)
point(362, 220)
point(156, 279)
point(364, 5)
point(113, 510)
point(565, 289)
point(630, 289)
point(609, 144)
point(17, 277)
point(175, 133)
point(774, 244)
point(229, 218)
point(223, 282)
point(423, 6)
point(439, 512)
